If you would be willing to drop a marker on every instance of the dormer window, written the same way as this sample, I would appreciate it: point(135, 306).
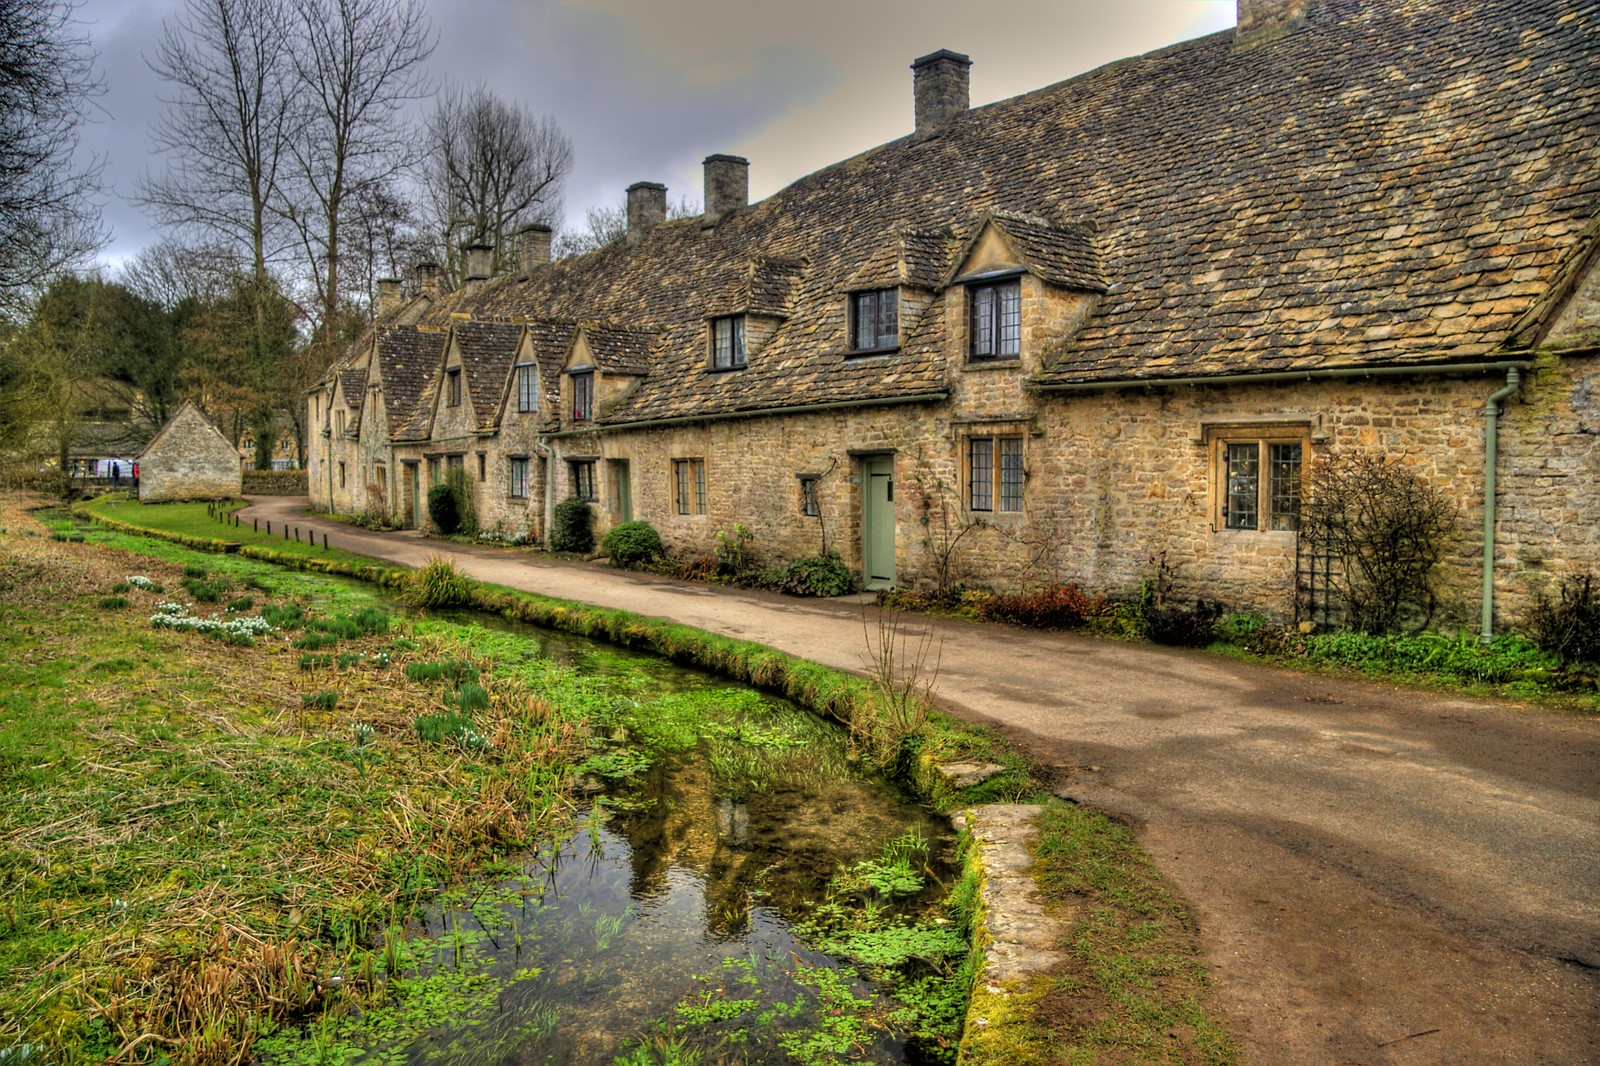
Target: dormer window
point(996, 319)
point(583, 396)
point(527, 398)
point(874, 320)
point(727, 342)
point(453, 387)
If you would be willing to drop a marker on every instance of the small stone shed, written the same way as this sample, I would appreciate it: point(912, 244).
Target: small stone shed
point(189, 459)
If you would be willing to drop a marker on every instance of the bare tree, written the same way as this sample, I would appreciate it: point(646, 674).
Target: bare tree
point(49, 221)
point(228, 127)
point(358, 64)
point(490, 168)
point(607, 225)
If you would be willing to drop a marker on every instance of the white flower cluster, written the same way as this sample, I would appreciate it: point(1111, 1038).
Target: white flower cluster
point(171, 616)
point(139, 581)
point(497, 537)
point(471, 739)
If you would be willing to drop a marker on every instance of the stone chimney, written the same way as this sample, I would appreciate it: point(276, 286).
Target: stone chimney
point(939, 88)
point(1262, 20)
point(389, 296)
point(647, 208)
point(535, 246)
point(477, 262)
point(426, 277)
point(727, 186)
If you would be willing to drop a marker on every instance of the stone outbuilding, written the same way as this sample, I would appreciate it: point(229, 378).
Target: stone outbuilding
point(189, 459)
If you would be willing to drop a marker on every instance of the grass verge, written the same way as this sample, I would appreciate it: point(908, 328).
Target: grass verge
point(1135, 988)
point(205, 836)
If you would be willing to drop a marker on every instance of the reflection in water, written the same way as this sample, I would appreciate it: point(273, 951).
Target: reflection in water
point(677, 911)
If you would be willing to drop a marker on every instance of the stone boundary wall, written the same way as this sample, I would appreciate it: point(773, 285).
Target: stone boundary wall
point(275, 483)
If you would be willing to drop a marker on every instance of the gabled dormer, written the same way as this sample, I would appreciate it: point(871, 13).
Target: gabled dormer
point(603, 365)
point(742, 318)
point(486, 352)
point(884, 297)
point(1017, 286)
point(453, 413)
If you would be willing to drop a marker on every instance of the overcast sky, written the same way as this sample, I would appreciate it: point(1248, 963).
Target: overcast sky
point(647, 88)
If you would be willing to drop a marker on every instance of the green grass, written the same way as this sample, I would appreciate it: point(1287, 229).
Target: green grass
point(1134, 987)
point(1134, 949)
point(170, 799)
point(191, 520)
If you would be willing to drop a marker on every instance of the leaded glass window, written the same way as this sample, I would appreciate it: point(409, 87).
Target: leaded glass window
point(875, 319)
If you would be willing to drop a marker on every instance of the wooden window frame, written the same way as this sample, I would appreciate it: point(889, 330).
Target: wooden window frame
point(999, 490)
point(452, 380)
point(688, 487)
point(809, 505)
point(1262, 437)
point(581, 476)
point(583, 396)
point(737, 357)
point(527, 386)
point(341, 474)
point(996, 314)
point(517, 468)
point(879, 341)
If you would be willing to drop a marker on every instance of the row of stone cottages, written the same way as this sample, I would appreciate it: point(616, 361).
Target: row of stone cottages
point(1065, 332)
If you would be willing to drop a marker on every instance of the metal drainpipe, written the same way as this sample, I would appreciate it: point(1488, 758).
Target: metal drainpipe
point(547, 449)
point(1491, 448)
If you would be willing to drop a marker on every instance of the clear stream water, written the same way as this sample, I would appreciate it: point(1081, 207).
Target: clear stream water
point(692, 910)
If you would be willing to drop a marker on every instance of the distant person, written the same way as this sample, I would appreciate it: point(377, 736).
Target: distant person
point(136, 479)
point(116, 475)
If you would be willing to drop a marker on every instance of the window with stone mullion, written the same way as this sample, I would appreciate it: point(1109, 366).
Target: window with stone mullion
point(980, 473)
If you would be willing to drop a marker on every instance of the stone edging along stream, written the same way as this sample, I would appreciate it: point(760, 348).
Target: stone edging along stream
point(1012, 937)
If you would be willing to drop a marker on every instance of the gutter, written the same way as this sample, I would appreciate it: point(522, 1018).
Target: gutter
point(1275, 377)
point(766, 412)
point(1491, 447)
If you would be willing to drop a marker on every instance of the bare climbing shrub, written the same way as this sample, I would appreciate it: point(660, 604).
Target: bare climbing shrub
point(1567, 624)
point(902, 671)
point(1386, 530)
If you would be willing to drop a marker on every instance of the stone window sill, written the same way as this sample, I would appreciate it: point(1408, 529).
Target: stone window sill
point(1010, 362)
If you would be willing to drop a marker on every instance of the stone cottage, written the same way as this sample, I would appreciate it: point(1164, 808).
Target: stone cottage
point(189, 459)
point(1064, 335)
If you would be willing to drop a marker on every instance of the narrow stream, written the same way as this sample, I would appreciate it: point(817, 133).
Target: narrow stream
point(736, 890)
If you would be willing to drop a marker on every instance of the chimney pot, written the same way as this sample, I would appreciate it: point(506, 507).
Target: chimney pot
point(940, 88)
point(389, 296)
point(535, 246)
point(479, 262)
point(727, 186)
point(647, 208)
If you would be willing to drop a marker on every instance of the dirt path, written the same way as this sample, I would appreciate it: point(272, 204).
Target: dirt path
point(1379, 875)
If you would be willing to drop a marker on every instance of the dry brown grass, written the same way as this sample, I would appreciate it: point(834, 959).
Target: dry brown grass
point(240, 913)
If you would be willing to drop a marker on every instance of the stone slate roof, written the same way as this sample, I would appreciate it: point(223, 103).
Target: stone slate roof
point(622, 351)
point(487, 352)
point(1063, 255)
point(409, 363)
point(1392, 182)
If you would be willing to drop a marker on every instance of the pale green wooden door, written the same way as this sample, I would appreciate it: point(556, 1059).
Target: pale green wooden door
point(622, 490)
point(877, 522)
